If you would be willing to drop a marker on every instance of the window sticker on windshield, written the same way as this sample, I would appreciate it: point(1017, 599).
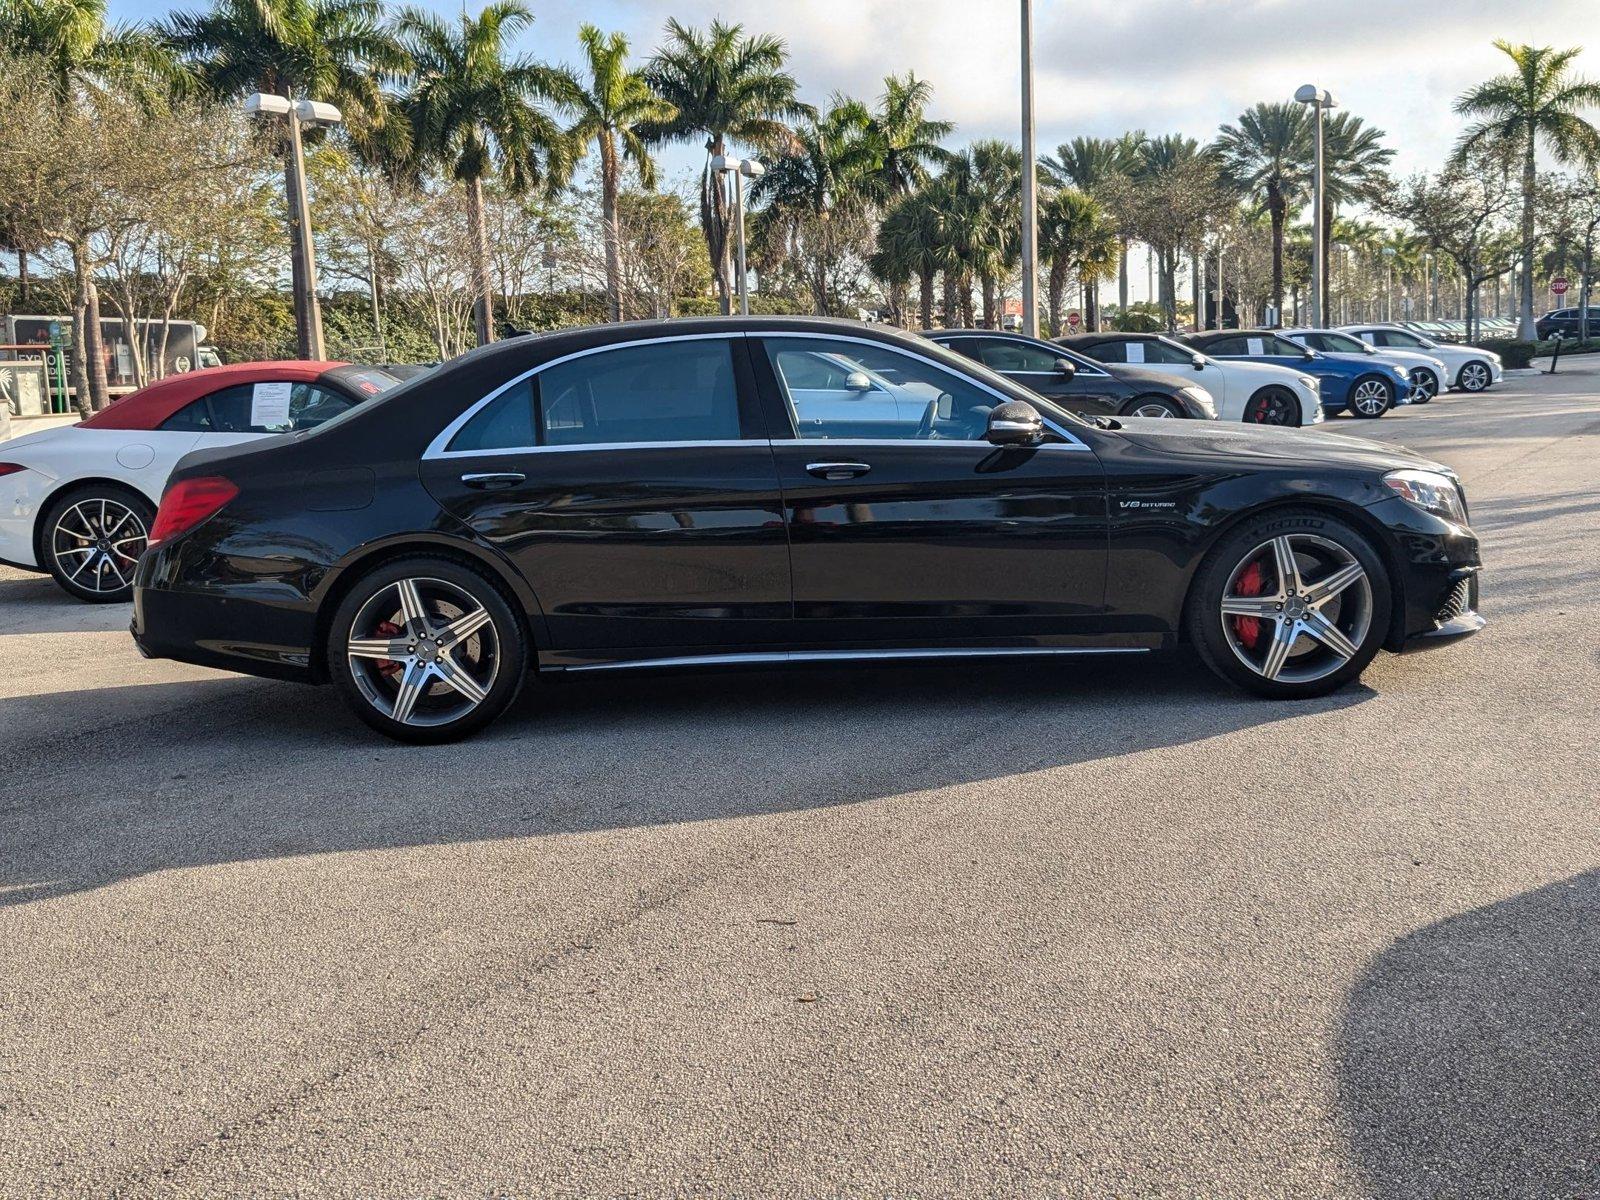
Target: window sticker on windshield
point(1255, 347)
point(1135, 352)
point(269, 404)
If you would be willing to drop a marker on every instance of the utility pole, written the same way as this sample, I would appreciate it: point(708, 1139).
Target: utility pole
point(1030, 171)
point(1321, 100)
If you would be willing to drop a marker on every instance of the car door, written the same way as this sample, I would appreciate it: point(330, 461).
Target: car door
point(634, 488)
point(1178, 363)
point(1087, 389)
point(934, 535)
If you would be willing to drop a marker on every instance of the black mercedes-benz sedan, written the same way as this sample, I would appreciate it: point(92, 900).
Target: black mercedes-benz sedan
point(699, 492)
point(1078, 383)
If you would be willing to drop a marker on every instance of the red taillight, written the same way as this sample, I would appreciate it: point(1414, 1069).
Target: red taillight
point(188, 502)
point(11, 468)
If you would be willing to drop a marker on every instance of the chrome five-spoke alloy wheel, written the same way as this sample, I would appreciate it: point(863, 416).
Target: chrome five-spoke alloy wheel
point(96, 544)
point(1153, 408)
point(1297, 608)
point(423, 652)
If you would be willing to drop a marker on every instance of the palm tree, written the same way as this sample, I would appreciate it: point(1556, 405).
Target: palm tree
point(612, 106)
point(987, 182)
point(1089, 164)
point(724, 85)
point(1354, 170)
point(78, 49)
point(826, 171)
point(475, 113)
point(1538, 100)
point(905, 142)
point(1074, 235)
point(913, 242)
point(1266, 155)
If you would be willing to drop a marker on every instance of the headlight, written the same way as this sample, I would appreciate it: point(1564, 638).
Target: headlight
point(1310, 385)
point(1430, 491)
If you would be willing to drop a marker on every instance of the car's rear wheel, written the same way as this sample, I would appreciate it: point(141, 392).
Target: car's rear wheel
point(1273, 406)
point(426, 650)
point(1474, 377)
point(91, 538)
point(1371, 396)
point(1424, 385)
point(1151, 406)
point(1291, 605)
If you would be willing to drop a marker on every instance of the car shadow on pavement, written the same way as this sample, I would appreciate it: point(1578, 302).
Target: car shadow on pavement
point(1468, 1053)
point(118, 782)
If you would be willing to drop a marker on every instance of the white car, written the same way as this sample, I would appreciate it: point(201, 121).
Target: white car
point(1428, 374)
point(1471, 369)
point(1259, 393)
point(77, 501)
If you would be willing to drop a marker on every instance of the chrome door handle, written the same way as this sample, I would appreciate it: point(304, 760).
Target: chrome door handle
point(489, 480)
point(837, 470)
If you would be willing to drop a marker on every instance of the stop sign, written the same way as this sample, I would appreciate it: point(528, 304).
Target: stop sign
point(1072, 319)
point(1559, 286)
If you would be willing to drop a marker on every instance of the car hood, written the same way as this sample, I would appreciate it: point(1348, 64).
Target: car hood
point(1211, 439)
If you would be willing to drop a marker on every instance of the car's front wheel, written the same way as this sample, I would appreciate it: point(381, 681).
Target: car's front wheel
point(1291, 605)
point(1424, 385)
point(1474, 377)
point(1151, 406)
point(426, 650)
point(1273, 406)
point(90, 540)
point(1371, 396)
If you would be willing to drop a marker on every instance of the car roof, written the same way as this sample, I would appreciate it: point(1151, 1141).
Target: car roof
point(148, 407)
point(1110, 335)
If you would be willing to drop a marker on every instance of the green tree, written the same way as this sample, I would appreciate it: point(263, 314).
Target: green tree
point(724, 85)
point(614, 105)
point(1355, 171)
point(986, 182)
point(905, 142)
point(76, 48)
point(474, 112)
point(1537, 100)
point(914, 243)
point(1074, 236)
point(1093, 165)
point(1266, 156)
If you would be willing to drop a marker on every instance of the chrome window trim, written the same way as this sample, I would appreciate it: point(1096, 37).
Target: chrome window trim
point(436, 448)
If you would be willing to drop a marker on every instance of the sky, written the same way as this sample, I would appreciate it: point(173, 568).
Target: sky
point(1106, 66)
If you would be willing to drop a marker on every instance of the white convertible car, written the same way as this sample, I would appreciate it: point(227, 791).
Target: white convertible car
point(77, 501)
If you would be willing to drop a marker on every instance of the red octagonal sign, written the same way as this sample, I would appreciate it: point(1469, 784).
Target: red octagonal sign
point(1559, 286)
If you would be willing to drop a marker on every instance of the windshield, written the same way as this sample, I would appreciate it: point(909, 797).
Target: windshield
point(1343, 343)
point(360, 384)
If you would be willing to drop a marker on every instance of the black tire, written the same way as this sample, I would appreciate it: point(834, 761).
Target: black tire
point(1206, 624)
point(371, 686)
point(90, 539)
point(1371, 412)
point(1147, 406)
point(1474, 376)
point(1273, 406)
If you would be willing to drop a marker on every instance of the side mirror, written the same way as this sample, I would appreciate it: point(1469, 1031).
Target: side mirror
point(1198, 362)
point(857, 381)
point(1066, 367)
point(1015, 423)
point(1308, 354)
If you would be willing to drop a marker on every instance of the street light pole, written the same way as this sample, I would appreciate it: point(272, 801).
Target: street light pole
point(741, 169)
point(307, 309)
point(1320, 100)
point(1030, 211)
point(1388, 283)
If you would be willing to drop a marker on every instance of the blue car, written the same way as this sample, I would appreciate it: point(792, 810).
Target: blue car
point(1349, 381)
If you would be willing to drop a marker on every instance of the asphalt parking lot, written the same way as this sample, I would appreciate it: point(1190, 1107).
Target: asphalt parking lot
point(1098, 928)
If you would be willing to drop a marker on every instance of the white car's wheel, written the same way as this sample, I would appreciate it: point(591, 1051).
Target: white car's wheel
point(90, 539)
point(1474, 377)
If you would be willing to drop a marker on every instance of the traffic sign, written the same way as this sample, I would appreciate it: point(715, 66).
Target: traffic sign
point(1559, 286)
point(1073, 319)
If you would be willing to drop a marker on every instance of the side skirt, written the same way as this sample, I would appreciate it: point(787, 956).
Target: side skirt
point(780, 657)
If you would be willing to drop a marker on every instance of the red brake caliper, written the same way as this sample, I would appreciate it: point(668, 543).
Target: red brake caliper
point(1249, 584)
point(388, 629)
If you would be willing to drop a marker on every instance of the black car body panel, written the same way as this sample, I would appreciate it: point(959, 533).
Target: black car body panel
point(1093, 389)
point(647, 552)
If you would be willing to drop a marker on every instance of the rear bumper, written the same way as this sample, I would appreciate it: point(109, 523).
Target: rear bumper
point(232, 631)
